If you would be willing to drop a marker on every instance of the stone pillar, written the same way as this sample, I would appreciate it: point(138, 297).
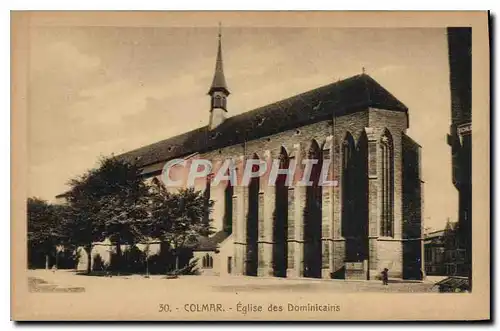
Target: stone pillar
point(422, 224)
point(290, 272)
point(338, 251)
point(267, 197)
point(327, 214)
point(373, 203)
point(398, 187)
point(239, 220)
point(396, 270)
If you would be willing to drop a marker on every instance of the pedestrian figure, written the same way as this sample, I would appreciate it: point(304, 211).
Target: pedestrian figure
point(385, 276)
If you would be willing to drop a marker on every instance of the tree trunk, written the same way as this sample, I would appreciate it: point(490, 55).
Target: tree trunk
point(118, 258)
point(88, 249)
point(46, 261)
point(176, 261)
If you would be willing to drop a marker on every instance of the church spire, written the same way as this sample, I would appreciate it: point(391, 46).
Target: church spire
point(218, 90)
point(219, 81)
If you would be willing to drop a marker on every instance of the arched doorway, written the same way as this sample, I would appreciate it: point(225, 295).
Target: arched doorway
point(313, 216)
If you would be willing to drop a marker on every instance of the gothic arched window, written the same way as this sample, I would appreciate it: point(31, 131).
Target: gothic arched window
point(347, 186)
point(280, 218)
point(313, 215)
point(207, 262)
point(206, 199)
point(387, 179)
point(254, 224)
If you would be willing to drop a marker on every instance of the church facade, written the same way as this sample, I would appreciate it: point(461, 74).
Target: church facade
point(370, 220)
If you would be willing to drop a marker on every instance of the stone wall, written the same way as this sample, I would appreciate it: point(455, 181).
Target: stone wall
point(383, 252)
point(103, 251)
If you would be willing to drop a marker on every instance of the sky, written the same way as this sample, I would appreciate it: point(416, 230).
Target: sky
point(97, 91)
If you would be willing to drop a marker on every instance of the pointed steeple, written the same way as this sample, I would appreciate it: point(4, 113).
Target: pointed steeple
point(219, 81)
point(218, 91)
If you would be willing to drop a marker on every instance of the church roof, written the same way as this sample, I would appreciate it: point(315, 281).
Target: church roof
point(349, 95)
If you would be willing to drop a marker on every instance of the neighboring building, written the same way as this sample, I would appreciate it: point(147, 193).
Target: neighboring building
point(208, 253)
point(434, 253)
point(444, 255)
point(61, 198)
point(460, 137)
point(370, 221)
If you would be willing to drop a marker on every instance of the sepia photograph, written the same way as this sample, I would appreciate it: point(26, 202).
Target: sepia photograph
point(250, 166)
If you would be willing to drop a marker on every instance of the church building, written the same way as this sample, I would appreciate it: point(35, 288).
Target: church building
point(370, 220)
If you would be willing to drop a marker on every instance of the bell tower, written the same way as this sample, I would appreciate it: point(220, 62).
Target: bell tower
point(218, 91)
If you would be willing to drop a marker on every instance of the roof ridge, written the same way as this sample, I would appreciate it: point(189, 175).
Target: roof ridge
point(296, 96)
point(284, 114)
point(252, 110)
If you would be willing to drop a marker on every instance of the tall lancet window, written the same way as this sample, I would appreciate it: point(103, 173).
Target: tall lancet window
point(254, 210)
point(348, 190)
point(387, 176)
point(228, 205)
point(206, 199)
point(280, 219)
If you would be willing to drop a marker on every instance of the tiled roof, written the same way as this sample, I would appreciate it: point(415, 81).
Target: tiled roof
point(211, 243)
point(434, 234)
point(348, 95)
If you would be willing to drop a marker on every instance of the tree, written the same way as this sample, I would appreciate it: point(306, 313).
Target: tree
point(178, 219)
point(110, 201)
point(125, 204)
point(45, 229)
point(147, 251)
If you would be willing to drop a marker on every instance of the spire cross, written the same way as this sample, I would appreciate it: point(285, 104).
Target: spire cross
point(220, 30)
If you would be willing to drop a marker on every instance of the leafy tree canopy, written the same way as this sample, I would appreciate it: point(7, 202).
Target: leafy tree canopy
point(179, 218)
point(44, 223)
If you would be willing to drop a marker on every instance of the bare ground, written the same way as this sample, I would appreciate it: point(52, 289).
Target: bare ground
point(65, 295)
point(64, 279)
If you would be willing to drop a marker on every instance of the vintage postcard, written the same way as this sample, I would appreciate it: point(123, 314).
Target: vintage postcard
point(320, 166)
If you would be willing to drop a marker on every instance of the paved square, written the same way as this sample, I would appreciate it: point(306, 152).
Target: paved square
point(64, 294)
point(221, 285)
